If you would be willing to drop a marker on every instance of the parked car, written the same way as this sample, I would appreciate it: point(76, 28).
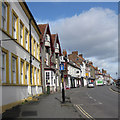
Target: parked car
point(99, 82)
point(90, 85)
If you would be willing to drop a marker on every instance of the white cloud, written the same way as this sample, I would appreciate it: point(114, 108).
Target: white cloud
point(93, 33)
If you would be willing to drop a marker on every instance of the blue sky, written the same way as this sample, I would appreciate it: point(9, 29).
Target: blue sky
point(56, 10)
point(91, 28)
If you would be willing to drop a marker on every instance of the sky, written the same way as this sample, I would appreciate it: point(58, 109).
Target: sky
point(91, 28)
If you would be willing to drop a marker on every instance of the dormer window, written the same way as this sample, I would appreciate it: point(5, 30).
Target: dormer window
point(47, 38)
point(57, 45)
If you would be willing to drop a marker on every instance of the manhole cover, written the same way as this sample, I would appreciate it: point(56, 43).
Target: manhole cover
point(29, 113)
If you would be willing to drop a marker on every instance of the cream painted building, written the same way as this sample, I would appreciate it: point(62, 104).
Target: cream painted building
point(15, 54)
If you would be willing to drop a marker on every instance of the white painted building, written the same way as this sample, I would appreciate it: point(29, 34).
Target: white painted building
point(15, 54)
point(74, 75)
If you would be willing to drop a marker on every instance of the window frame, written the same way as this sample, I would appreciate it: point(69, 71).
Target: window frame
point(6, 66)
point(16, 27)
point(22, 42)
point(27, 47)
point(7, 17)
point(12, 80)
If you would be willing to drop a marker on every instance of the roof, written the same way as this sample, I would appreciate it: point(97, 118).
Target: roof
point(92, 66)
point(45, 29)
point(56, 38)
point(24, 6)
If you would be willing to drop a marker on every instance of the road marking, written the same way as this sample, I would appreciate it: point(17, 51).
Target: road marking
point(84, 112)
point(99, 103)
point(113, 91)
point(94, 99)
point(90, 97)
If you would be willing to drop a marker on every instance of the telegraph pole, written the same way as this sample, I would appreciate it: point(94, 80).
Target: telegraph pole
point(63, 91)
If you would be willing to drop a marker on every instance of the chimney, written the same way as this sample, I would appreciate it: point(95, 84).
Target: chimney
point(91, 63)
point(75, 52)
point(80, 55)
point(64, 53)
point(96, 68)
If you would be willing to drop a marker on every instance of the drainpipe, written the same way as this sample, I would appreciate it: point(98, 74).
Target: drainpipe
point(29, 87)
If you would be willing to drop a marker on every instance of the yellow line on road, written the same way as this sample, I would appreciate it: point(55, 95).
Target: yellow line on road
point(84, 112)
point(87, 113)
point(114, 91)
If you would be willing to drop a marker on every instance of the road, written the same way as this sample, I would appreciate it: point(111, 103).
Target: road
point(83, 102)
point(98, 102)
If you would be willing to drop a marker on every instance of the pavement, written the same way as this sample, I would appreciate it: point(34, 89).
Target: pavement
point(47, 106)
point(115, 88)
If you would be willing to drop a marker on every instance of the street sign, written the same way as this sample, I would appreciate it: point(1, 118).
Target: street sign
point(62, 66)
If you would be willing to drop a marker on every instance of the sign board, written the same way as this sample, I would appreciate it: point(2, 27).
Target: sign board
point(86, 74)
point(62, 66)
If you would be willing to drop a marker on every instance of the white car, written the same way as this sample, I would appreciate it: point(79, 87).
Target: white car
point(90, 85)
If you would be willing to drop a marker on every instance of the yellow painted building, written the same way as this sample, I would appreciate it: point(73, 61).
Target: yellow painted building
point(15, 53)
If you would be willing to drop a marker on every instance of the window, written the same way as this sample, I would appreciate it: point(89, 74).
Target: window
point(57, 45)
point(22, 77)
point(47, 58)
point(38, 77)
point(3, 67)
point(14, 27)
point(35, 76)
point(26, 39)
point(37, 51)
point(4, 15)
point(47, 38)
point(27, 73)
point(21, 33)
point(14, 69)
point(47, 77)
point(34, 48)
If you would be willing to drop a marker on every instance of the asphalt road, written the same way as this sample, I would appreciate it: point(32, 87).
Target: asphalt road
point(98, 102)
